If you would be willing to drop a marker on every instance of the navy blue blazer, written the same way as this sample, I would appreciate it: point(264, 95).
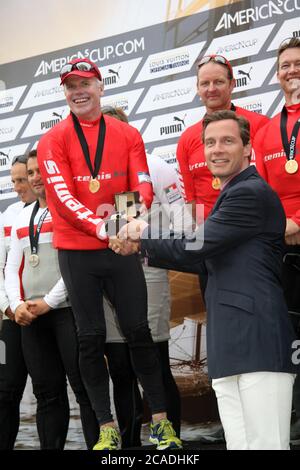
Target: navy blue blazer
point(248, 327)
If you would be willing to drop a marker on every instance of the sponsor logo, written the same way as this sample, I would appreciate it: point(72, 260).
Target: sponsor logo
point(274, 156)
point(6, 188)
point(266, 10)
point(253, 75)
point(113, 77)
point(119, 74)
point(169, 94)
point(102, 176)
point(197, 165)
point(4, 158)
point(244, 78)
point(99, 54)
point(44, 92)
point(52, 122)
point(167, 153)
point(259, 103)
point(125, 101)
point(6, 102)
point(8, 153)
point(9, 98)
point(171, 125)
point(174, 128)
point(170, 62)
point(289, 28)
point(62, 192)
point(242, 44)
point(9, 128)
point(42, 121)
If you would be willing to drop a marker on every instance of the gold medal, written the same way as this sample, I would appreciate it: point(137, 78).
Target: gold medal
point(34, 260)
point(94, 185)
point(291, 167)
point(216, 183)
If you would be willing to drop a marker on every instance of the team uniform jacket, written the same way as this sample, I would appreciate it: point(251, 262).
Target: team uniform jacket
point(195, 178)
point(77, 213)
point(271, 159)
point(24, 282)
point(7, 219)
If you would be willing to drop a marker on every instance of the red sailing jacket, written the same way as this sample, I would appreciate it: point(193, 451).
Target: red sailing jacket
point(195, 178)
point(271, 159)
point(77, 213)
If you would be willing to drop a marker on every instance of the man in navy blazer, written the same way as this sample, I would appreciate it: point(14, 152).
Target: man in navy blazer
point(249, 336)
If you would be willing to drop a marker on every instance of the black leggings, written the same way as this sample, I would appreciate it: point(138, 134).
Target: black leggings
point(13, 376)
point(127, 397)
point(84, 273)
point(51, 352)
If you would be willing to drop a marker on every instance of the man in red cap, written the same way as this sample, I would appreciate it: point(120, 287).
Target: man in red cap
point(84, 161)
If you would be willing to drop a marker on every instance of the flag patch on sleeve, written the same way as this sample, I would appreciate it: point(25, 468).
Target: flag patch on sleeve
point(172, 193)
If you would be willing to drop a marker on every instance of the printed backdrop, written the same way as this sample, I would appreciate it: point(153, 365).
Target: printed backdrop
point(150, 73)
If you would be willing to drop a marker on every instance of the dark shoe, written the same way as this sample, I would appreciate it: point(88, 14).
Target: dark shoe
point(295, 432)
point(213, 435)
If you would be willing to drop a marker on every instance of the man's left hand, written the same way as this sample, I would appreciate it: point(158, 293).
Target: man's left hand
point(38, 306)
point(291, 228)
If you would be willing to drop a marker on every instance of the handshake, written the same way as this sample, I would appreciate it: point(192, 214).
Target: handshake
point(127, 241)
point(125, 237)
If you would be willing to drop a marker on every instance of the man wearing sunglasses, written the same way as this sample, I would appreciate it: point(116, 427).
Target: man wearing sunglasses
point(215, 83)
point(13, 374)
point(277, 147)
point(84, 161)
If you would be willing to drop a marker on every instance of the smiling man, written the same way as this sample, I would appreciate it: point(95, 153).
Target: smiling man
point(84, 161)
point(249, 335)
point(278, 158)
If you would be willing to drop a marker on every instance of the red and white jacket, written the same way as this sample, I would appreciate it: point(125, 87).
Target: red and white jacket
point(195, 177)
point(77, 213)
point(271, 159)
point(7, 219)
point(24, 282)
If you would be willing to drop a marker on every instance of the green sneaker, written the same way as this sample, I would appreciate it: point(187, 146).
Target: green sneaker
point(163, 435)
point(109, 439)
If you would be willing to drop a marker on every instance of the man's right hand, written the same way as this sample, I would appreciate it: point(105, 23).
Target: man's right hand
point(23, 316)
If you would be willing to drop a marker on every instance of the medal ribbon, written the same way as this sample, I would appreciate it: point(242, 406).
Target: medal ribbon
point(100, 145)
point(34, 237)
point(289, 146)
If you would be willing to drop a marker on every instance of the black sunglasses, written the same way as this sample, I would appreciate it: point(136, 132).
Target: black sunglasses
point(81, 66)
point(219, 59)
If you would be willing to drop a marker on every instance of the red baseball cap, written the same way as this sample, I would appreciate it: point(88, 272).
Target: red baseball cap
point(80, 67)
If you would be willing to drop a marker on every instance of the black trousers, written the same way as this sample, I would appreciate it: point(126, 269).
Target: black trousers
point(84, 273)
point(51, 352)
point(127, 398)
point(13, 376)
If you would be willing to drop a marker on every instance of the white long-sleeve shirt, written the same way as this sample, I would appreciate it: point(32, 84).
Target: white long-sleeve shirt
point(25, 282)
point(6, 221)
